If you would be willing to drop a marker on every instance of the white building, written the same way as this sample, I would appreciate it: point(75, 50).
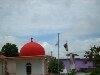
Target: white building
point(31, 61)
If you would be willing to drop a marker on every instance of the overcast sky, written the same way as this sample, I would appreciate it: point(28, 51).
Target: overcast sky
point(77, 21)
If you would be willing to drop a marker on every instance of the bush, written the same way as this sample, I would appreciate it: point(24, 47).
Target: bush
point(95, 72)
point(53, 66)
point(72, 72)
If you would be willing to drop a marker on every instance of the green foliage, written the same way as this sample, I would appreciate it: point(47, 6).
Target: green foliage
point(95, 72)
point(53, 66)
point(93, 55)
point(9, 50)
point(72, 72)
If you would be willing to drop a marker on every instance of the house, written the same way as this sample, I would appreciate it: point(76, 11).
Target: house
point(31, 61)
point(81, 64)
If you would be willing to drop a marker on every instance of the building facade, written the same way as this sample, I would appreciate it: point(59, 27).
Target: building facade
point(81, 64)
point(31, 61)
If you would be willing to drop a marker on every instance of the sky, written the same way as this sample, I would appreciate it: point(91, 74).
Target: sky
point(77, 21)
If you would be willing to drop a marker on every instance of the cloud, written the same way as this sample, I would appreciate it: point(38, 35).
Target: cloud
point(77, 21)
point(77, 46)
point(54, 49)
point(26, 17)
point(10, 39)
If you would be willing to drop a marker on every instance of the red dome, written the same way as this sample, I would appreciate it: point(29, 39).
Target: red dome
point(32, 49)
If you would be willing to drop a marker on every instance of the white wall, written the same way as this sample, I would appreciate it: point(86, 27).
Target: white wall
point(11, 67)
point(18, 66)
point(1, 68)
point(37, 66)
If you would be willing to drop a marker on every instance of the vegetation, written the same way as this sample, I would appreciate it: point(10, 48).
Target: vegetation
point(94, 55)
point(53, 66)
point(72, 72)
point(9, 50)
point(95, 72)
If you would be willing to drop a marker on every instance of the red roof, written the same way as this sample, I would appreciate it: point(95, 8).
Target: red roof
point(32, 49)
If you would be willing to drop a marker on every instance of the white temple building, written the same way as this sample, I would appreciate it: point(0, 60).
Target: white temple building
point(31, 61)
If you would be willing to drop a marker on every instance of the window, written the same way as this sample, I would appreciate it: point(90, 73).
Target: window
point(28, 68)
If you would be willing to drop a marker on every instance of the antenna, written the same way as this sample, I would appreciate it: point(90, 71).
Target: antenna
point(31, 39)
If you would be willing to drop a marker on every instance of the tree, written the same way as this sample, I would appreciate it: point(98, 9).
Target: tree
point(53, 66)
point(9, 50)
point(72, 72)
point(95, 72)
point(93, 55)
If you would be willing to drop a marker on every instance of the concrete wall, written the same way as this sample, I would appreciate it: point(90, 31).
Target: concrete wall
point(1, 68)
point(66, 64)
point(37, 66)
point(79, 63)
point(83, 64)
point(11, 67)
point(18, 66)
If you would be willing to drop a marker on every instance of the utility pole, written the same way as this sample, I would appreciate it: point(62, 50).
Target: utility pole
point(51, 53)
point(58, 53)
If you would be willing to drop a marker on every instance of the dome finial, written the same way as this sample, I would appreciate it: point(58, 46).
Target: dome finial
point(31, 39)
